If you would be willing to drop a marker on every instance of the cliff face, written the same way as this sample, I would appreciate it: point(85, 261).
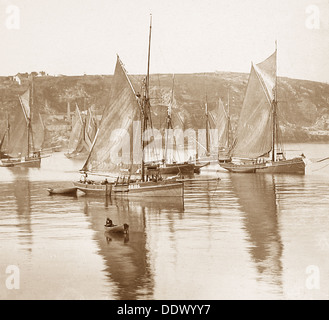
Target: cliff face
point(303, 105)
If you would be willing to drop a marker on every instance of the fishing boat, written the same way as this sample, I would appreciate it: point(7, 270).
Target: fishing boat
point(24, 135)
point(63, 191)
point(168, 165)
point(257, 148)
point(217, 137)
point(223, 124)
point(84, 128)
point(119, 146)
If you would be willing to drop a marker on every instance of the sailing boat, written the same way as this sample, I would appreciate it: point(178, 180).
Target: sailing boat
point(223, 124)
point(84, 128)
point(118, 125)
point(21, 149)
point(4, 141)
point(169, 166)
point(217, 139)
point(257, 148)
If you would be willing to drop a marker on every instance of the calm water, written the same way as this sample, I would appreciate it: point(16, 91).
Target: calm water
point(243, 237)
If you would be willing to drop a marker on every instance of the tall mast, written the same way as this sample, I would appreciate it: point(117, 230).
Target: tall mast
point(145, 103)
point(207, 125)
point(228, 118)
point(169, 112)
point(29, 133)
point(207, 116)
point(274, 106)
point(148, 60)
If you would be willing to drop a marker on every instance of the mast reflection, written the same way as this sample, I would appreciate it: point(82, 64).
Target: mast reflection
point(257, 198)
point(128, 267)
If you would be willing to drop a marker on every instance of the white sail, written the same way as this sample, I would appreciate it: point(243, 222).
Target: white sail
point(254, 136)
point(114, 140)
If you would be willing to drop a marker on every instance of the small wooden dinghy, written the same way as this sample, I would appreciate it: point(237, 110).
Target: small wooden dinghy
point(71, 191)
point(123, 228)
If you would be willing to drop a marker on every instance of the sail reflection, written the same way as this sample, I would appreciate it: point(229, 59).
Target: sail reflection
point(126, 257)
point(22, 193)
point(257, 198)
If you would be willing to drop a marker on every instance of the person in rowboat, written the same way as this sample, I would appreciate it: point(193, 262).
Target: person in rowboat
point(109, 223)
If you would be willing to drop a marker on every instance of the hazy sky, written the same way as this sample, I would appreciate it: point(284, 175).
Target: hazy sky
point(83, 36)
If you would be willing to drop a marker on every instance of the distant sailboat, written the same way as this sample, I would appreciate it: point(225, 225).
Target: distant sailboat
point(257, 148)
point(217, 139)
point(114, 136)
point(24, 140)
point(168, 165)
point(222, 122)
point(84, 128)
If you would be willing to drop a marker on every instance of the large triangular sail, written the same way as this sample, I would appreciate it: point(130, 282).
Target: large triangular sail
point(114, 144)
point(76, 132)
point(20, 133)
point(254, 137)
point(25, 104)
point(38, 130)
point(219, 120)
point(90, 128)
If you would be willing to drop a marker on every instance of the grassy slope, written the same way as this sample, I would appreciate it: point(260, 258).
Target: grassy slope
point(304, 105)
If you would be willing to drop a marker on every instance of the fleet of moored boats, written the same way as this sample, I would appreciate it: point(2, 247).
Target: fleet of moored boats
point(255, 149)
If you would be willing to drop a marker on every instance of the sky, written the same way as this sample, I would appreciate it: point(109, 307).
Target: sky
point(76, 37)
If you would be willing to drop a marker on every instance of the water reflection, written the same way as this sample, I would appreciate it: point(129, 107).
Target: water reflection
point(128, 267)
point(22, 194)
point(256, 195)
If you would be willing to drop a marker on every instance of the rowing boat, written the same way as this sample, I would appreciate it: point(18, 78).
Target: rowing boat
point(123, 228)
point(63, 191)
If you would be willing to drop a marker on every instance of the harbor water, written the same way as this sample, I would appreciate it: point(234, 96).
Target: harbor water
point(245, 236)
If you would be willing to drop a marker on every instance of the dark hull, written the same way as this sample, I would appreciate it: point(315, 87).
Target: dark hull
point(63, 191)
point(185, 168)
point(27, 163)
point(292, 166)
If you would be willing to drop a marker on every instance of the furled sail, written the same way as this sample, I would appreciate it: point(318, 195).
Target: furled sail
point(254, 133)
point(113, 146)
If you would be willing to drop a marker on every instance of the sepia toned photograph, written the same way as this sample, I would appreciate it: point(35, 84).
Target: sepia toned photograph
point(164, 151)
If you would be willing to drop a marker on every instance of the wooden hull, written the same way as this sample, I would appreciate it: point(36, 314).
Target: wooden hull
point(63, 191)
point(292, 166)
point(27, 163)
point(185, 168)
point(124, 228)
point(94, 189)
point(150, 189)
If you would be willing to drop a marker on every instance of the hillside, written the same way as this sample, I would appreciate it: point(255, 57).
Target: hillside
point(303, 105)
